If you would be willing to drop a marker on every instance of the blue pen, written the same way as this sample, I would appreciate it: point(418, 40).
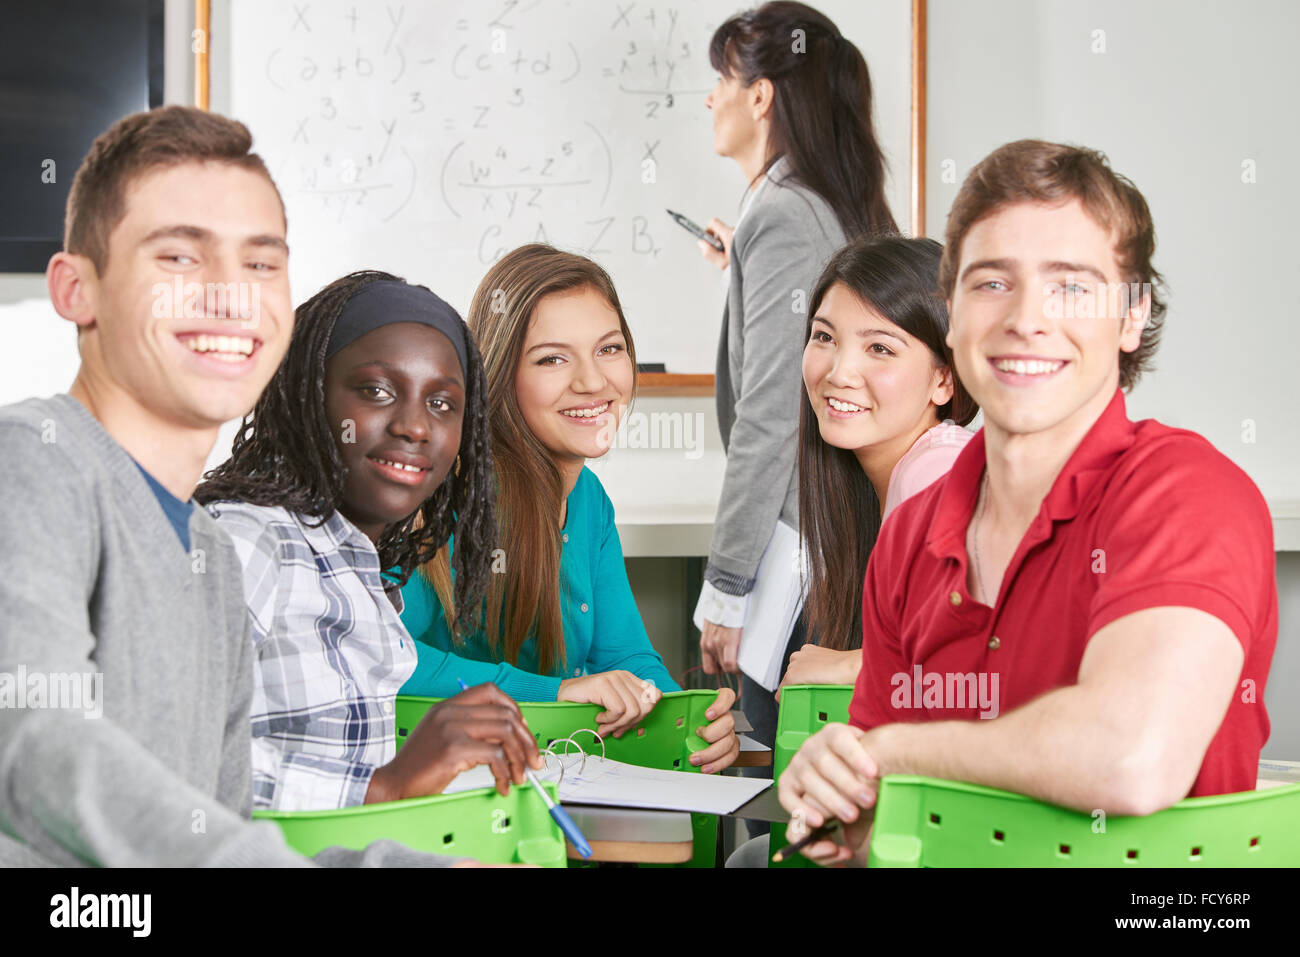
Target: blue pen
point(558, 814)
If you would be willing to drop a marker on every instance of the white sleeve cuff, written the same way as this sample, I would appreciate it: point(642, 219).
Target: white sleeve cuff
point(720, 608)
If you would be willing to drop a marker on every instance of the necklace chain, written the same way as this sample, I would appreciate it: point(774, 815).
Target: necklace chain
point(975, 535)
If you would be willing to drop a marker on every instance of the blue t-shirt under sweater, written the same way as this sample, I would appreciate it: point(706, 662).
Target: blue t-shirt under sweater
point(177, 512)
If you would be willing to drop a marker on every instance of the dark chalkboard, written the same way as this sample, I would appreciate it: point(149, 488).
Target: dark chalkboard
point(68, 70)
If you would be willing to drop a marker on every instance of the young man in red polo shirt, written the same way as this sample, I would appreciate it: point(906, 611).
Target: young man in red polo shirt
point(1084, 609)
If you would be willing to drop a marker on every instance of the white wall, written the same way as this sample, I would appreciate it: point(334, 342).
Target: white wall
point(1184, 92)
point(40, 354)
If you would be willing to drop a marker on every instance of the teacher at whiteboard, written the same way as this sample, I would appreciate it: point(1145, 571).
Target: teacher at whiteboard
point(792, 108)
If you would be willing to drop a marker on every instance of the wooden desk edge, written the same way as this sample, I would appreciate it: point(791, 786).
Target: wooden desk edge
point(673, 383)
point(635, 852)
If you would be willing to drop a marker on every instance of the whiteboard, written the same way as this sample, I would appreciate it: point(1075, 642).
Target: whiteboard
point(1225, 236)
point(429, 138)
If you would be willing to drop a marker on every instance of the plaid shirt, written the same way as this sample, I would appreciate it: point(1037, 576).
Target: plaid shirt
point(331, 656)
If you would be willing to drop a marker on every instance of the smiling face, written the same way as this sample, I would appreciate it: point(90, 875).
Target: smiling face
point(402, 389)
point(873, 386)
point(1035, 334)
point(574, 376)
point(202, 357)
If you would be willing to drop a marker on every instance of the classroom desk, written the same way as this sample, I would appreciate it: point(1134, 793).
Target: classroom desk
point(752, 754)
point(640, 836)
point(626, 835)
point(680, 526)
point(764, 806)
point(1286, 525)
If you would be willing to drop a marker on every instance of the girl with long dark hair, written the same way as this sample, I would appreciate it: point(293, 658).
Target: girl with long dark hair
point(880, 419)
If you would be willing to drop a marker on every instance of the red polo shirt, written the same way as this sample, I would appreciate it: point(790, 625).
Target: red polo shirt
point(1141, 516)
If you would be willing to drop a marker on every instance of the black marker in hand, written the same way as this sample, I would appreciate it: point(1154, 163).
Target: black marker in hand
point(696, 231)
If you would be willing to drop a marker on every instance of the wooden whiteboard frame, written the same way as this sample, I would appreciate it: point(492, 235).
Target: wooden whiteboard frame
point(919, 35)
point(202, 69)
point(661, 383)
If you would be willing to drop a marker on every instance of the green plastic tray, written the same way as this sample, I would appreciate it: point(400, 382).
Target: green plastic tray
point(805, 710)
point(515, 829)
point(665, 739)
point(924, 822)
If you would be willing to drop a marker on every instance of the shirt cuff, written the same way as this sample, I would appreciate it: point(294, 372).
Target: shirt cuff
point(728, 582)
point(720, 608)
point(525, 686)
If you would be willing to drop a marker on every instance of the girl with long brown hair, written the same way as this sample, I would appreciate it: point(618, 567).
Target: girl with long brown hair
point(560, 622)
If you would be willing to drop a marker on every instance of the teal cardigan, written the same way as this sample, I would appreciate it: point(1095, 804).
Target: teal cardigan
point(602, 627)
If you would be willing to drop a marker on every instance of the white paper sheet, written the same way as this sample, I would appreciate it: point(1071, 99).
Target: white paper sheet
point(608, 782)
point(774, 605)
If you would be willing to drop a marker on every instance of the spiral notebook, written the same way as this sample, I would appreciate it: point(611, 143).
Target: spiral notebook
point(595, 779)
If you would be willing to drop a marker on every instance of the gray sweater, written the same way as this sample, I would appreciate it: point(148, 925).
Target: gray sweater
point(781, 244)
point(94, 581)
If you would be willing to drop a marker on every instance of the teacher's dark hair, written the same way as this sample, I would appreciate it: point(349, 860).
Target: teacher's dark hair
point(285, 455)
point(821, 109)
point(839, 513)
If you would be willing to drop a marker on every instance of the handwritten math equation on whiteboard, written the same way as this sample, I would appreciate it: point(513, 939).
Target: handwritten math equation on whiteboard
point(501, 122)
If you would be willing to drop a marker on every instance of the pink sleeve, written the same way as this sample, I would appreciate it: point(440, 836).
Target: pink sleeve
point(923, 465)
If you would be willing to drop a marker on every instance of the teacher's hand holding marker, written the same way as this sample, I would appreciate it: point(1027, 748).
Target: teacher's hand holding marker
point(714, 242)
point(723, 233)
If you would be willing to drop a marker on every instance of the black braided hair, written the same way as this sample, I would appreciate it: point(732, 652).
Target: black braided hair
point(284, 454)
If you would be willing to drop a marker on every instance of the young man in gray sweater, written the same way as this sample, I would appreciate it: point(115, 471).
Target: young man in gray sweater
point(126, 664)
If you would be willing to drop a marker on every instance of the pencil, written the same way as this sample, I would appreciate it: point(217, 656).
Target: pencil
point(816, 834)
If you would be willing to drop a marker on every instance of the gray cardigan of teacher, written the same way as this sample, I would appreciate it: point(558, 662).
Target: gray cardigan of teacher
point(781, 244)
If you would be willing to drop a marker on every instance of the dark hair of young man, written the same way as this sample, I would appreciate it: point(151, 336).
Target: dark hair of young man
point(166, 136)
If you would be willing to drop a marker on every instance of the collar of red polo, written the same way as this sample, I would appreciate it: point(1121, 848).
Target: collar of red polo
point(1108, 438)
